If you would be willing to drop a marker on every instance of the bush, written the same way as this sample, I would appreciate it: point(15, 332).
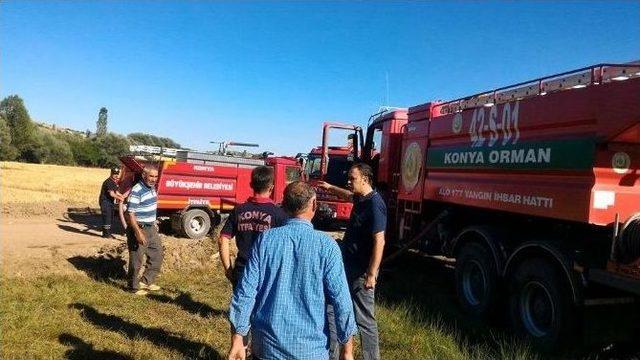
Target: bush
point(85, 151)
point(111, 147)
point(59, 151)
point(45, 148)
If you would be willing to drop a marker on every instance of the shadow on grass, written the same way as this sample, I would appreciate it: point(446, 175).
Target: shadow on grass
point(157, 336)
point(106, 269)
point(91, 219)
point(427, 285)
point(186, 302)
point(83, 350)
point(79, 231)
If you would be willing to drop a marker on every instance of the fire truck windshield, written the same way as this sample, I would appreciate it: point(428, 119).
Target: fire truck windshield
point(312, 167)
point(336, 170)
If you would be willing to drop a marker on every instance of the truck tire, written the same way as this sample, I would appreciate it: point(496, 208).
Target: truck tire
point(540, 305)
point(476, 280)
point(196, 223)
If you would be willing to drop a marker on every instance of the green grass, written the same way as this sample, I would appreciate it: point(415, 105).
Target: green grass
point(94, 317)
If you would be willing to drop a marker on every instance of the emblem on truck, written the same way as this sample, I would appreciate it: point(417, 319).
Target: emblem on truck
point(620, 162)
point(411, 165)
point(456, 125)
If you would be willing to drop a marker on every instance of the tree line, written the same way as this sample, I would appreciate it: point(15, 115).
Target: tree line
point(23, 140)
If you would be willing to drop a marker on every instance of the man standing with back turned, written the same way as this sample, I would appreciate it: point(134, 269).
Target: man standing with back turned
point(142, 233)
point(291, 273)
point(362, 249)
point(249, 220)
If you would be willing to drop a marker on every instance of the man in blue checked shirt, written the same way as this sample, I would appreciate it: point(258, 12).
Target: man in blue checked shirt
point(292, 273)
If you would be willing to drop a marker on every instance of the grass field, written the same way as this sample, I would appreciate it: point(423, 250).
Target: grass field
point(78, 317)
point(91, 317)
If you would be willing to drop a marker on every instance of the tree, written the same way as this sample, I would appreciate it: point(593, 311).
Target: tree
point(58, 151)
point(111, 147)
point(101, 124)
point(85, 152)
point(21, 127)
point(7, 150)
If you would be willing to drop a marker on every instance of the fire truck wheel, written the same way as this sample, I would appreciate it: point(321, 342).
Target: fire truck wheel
point(476, 278)
point(196, 223)
point(540, 306)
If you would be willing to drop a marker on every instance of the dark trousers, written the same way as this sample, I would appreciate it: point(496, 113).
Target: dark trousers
point(153, 252)
point(363, 307)
point(106, 210)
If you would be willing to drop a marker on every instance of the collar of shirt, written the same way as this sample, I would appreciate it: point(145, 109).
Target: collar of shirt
point(144, 185)
point(368, 196)
point(260, 200)
point(299, 221)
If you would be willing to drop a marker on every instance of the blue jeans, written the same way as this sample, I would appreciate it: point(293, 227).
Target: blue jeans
point(363, 307)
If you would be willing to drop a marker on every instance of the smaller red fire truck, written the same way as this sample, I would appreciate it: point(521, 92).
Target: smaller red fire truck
point(195, 188)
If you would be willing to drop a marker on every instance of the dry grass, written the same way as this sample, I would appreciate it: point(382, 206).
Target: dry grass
point(32, 183)
point(32, 189)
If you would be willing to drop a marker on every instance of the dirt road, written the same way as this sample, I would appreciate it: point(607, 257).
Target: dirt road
point(52, 245)
point(40, 245)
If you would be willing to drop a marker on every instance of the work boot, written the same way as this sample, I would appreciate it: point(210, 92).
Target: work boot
point(140, 292)
point(152, 287)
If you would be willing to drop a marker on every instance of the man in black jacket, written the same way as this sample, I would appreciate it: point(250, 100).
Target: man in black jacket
point(108, 196)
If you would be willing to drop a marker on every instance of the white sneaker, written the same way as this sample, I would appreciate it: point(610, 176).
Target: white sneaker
point(152, 287)
point(141, 292)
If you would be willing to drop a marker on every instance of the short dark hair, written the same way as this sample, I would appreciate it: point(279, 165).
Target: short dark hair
point(296, 197)
point(261, 179)
point(365, 170)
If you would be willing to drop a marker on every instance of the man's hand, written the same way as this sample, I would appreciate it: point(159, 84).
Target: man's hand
point(369, 281)
point(347, 356)
point(228, 272)
point(323, 184)
point(346, 352)
point(237, 351)
point(142, 240)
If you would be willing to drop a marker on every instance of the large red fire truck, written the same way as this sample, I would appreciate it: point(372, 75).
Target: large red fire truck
point(195, 188)
point(533, 189)
point(331, 164)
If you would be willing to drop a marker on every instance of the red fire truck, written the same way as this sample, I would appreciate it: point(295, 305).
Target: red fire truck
point(331, 164)
point(195, 188)
point(533, 189)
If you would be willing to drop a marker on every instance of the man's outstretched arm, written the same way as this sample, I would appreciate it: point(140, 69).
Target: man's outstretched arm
point(336, 190)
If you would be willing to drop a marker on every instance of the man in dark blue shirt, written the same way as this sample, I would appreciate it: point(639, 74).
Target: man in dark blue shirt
point(362, 249)
point(108, 196)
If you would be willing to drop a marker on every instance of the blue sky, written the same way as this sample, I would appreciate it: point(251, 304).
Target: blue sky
point(272, 72)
